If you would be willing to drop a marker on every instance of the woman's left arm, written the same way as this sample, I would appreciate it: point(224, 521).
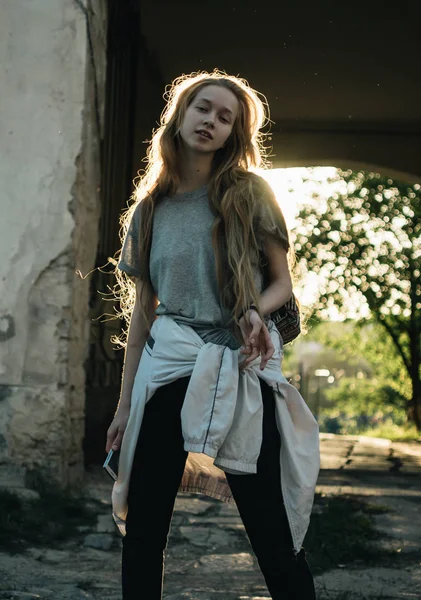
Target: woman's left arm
point(280, 289)
point(256, 337)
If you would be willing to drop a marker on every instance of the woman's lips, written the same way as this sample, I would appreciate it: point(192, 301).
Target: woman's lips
point(204, 134)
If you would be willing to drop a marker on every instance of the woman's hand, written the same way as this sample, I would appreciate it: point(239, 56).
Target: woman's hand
point(256, 340)
point(116, 430)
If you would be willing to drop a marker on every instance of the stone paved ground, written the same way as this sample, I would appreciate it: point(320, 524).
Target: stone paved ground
point(209, 556)
point(389, 475)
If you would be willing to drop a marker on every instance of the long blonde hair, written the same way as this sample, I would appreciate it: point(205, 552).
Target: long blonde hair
point(236, 194)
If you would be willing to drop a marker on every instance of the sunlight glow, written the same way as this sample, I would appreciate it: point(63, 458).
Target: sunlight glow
point(292, 192)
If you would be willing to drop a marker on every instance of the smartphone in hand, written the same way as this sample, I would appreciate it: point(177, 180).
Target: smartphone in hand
point(111, 463)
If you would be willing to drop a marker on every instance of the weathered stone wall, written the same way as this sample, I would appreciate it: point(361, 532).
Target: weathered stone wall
point(51, 104)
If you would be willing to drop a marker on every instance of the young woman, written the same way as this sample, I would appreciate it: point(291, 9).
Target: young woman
point(204, 406)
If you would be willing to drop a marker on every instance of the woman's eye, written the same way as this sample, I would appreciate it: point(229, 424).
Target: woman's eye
point(201, 108)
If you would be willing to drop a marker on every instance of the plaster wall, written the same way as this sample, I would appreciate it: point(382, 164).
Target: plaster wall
point(51, 104)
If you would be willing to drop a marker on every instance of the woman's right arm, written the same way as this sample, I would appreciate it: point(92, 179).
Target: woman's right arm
point(138, 332)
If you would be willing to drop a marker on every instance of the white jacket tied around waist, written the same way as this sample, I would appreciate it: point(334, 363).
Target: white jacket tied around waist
point(222, 418)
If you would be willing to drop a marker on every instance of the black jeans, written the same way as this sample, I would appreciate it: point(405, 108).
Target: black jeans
point(258, 498)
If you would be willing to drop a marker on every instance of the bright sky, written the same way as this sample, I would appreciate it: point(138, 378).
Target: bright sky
point(290, 190)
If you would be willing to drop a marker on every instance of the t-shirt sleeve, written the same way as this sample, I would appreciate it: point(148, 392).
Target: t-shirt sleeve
point(270, 219)
point(130, 254)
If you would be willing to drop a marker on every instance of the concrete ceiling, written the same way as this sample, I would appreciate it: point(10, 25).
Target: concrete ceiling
point(343, 80)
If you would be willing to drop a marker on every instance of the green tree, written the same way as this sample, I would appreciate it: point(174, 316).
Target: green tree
point(370, 342)
point(365, 242)
point(378, 393)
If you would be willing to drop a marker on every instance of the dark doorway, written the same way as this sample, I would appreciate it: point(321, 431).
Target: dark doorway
point(104, 362)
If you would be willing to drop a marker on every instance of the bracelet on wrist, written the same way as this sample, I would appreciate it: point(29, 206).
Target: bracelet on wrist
point(251, 307)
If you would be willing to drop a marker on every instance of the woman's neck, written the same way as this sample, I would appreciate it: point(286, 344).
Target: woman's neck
point(195, 171)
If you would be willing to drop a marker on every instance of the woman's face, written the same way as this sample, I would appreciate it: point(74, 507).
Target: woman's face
point(209, 119)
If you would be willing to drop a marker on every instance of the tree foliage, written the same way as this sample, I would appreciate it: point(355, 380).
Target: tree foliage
point(365, 242)
point(370, 342)
point(375, 397)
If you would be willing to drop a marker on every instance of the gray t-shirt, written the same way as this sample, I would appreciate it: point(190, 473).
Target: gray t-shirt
point(182, 265)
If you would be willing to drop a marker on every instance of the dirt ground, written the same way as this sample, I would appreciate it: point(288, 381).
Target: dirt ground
point(209, 556)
